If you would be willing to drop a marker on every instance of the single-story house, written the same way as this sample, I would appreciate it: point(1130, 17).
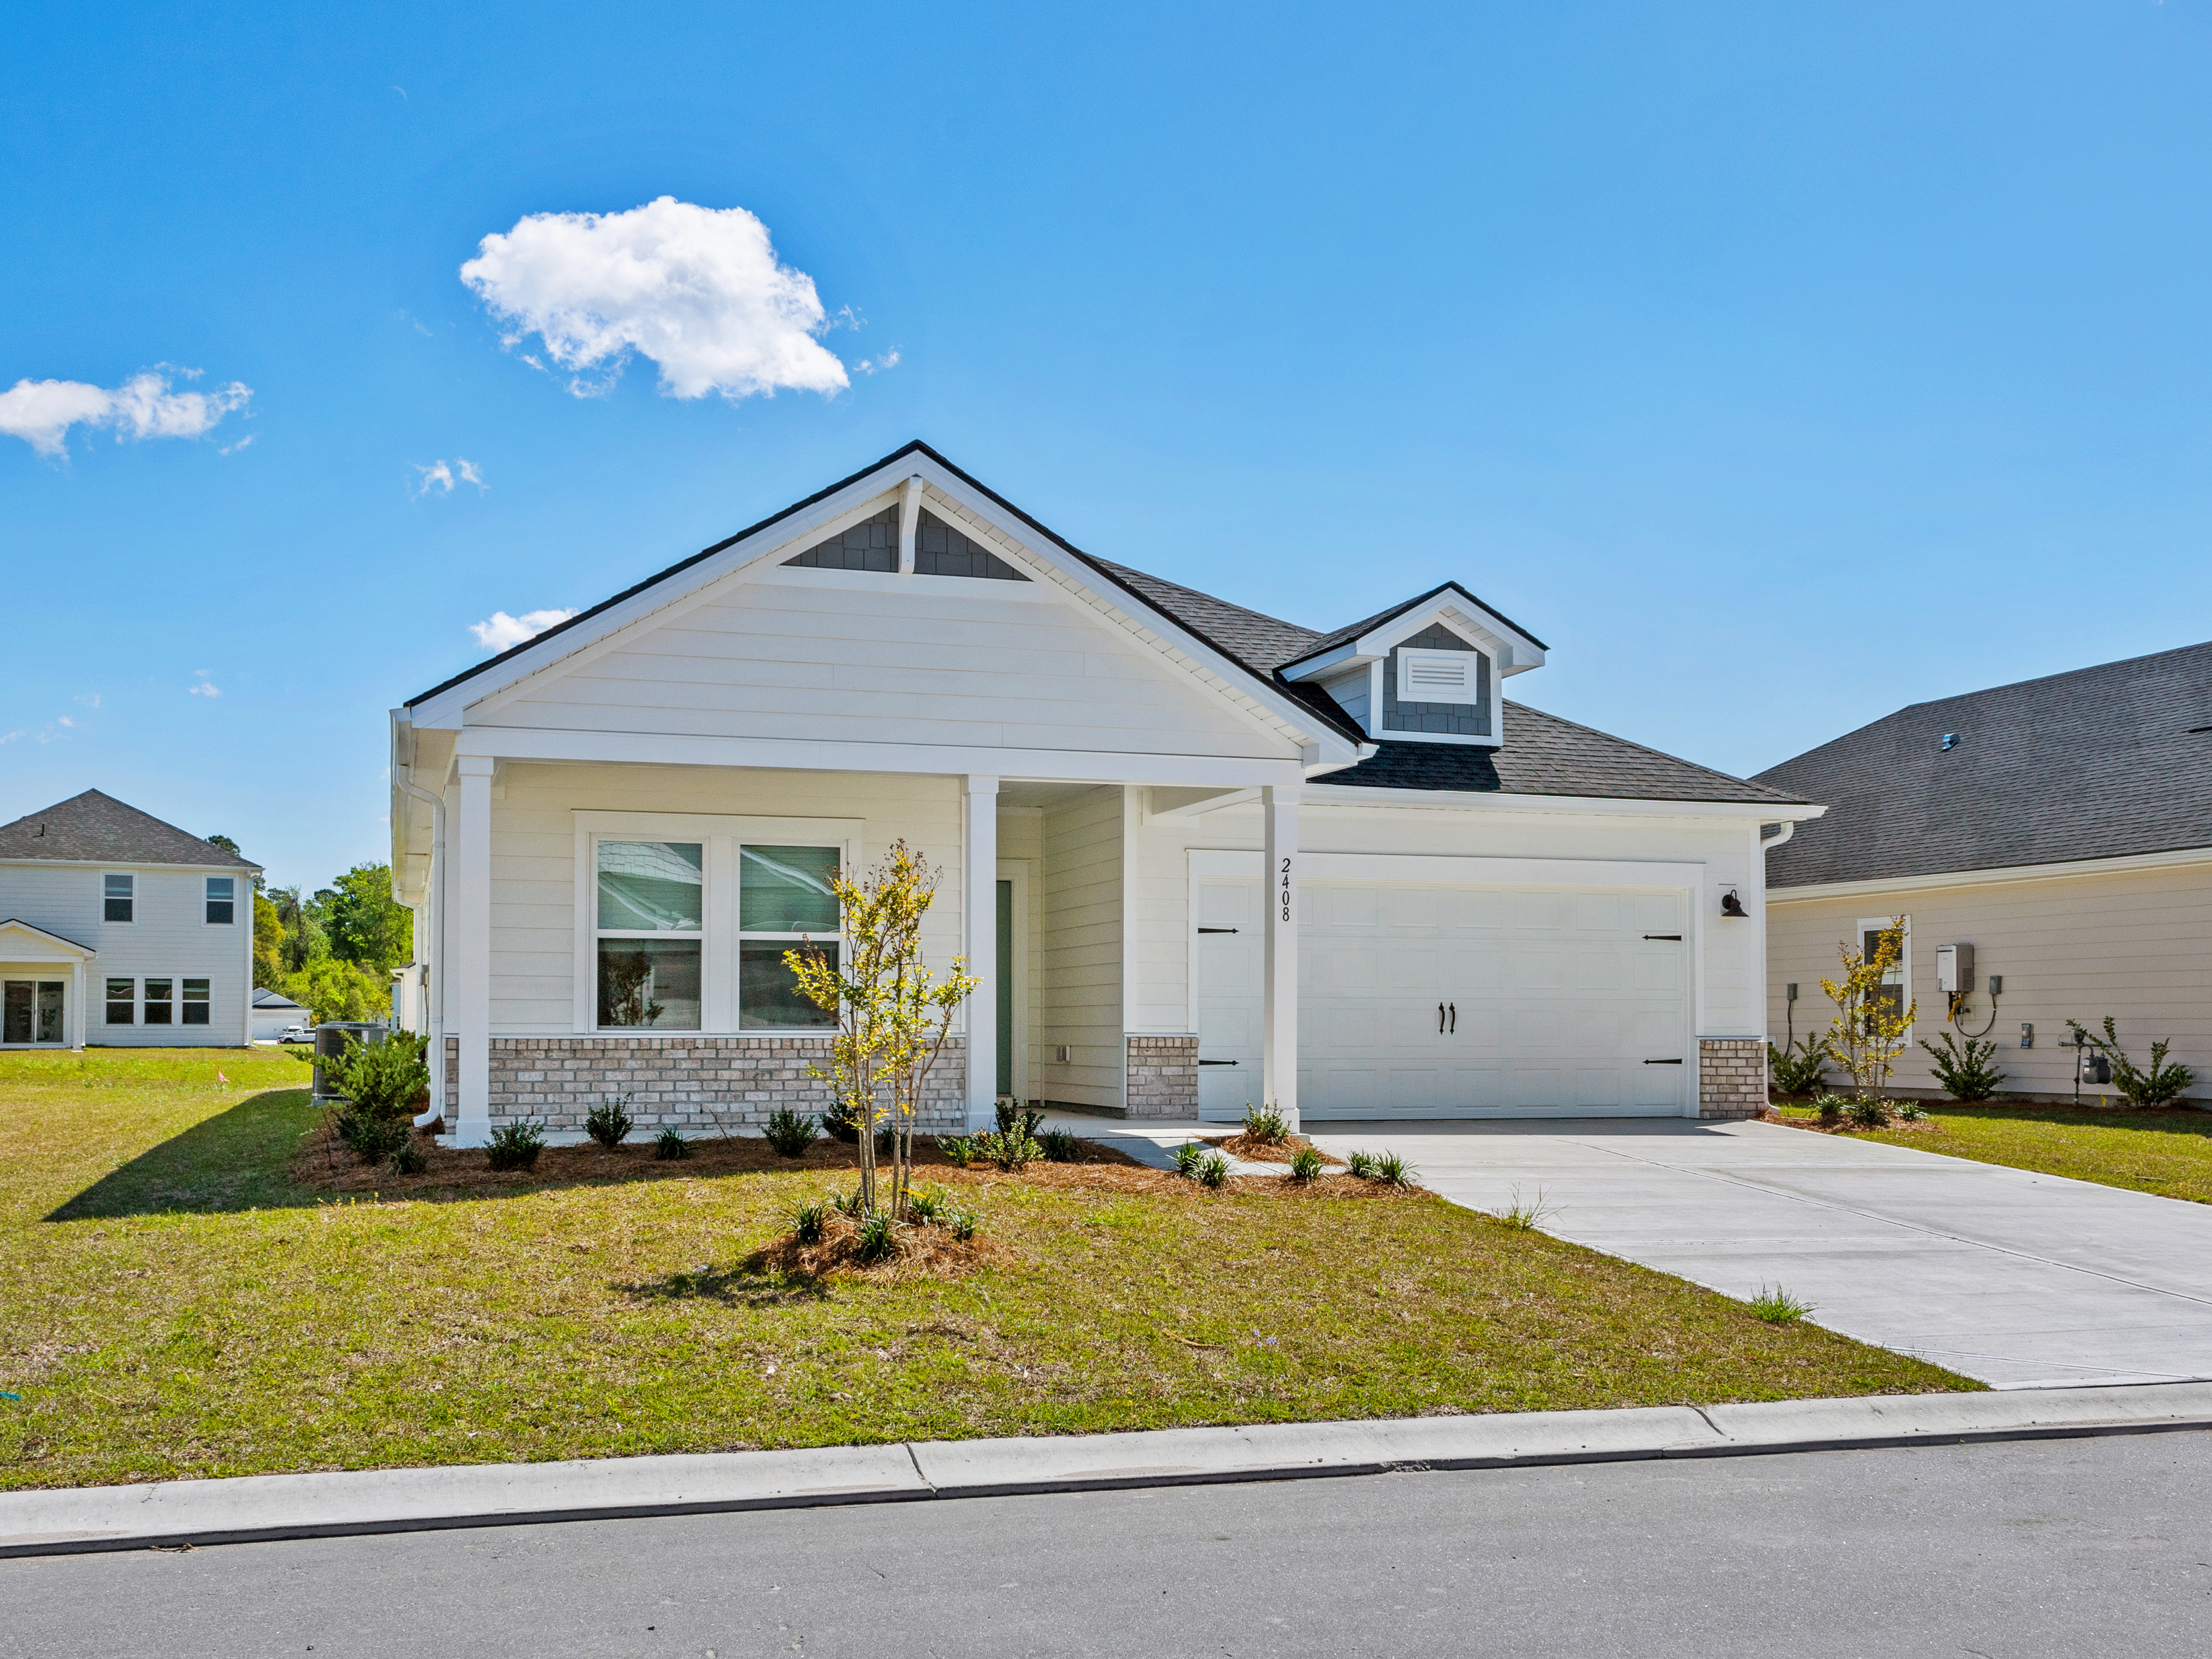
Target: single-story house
point(2051, 844)
point(1197, 856)
point(118, 930)
point(275, 1014)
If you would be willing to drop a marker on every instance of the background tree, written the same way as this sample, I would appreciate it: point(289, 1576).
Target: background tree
point(333, 952)
point(364, 922)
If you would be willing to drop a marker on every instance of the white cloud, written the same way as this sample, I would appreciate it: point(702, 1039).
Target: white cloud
point(41, 412)
point(878, 365)
point(503, 630)
point(441, 477)
point(205, 689)
point(233, 449)
point(89, 699)
point(696, 289)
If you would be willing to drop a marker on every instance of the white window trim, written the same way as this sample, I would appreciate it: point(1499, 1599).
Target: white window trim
point(182, 1000)
point(1904, 968)
point(44, 976)
point(105, 981)
point(206, 898)
point(107, 876)
point(719, 836)
point(1412, 658)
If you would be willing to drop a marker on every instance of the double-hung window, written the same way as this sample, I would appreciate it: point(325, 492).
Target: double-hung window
point(650, 905)
point(196, 1002)
point(120, 896)
point(122, 1002)
point(221, 900)
point(786, 901)
point(160, 1008)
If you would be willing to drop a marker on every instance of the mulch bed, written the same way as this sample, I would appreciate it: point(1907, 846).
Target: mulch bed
point(1844, 1126)
point(1241, 1144)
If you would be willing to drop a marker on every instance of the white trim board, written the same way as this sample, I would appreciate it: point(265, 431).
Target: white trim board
point(2076, 869)
point(1218, 865)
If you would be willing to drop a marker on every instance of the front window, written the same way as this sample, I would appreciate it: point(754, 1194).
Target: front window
point(120, 893)
point(159, 1008)
point(785, 899)
point(222, 897)
point(122, 1000)
point(196, 1002)
point(650, 914)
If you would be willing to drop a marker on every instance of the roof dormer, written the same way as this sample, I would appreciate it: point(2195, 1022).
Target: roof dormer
point(1428, 670)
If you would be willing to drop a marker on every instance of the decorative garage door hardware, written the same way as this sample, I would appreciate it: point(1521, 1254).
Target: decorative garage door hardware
point(1662, 1062)
point(1677, 938)
point(1217, 1062)
point(1217, 930)
point(1440, 1019)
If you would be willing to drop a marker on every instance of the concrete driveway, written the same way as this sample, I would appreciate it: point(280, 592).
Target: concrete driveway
point(2022, 1280)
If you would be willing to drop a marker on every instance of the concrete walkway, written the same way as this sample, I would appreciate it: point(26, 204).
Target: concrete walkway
point(2019, 1280)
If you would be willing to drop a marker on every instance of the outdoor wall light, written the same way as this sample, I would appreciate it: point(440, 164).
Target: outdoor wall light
point(1733, 906)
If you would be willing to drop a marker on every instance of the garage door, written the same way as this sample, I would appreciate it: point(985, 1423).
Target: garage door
point(1422, 1000)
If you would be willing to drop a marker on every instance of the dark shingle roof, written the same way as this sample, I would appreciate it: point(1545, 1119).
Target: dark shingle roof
point(1258, 640)
point(1544, 754)
point(2098, 763)
point(1329, 641)
point(96, 829)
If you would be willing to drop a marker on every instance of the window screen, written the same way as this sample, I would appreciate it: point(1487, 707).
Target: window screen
point(120, 892)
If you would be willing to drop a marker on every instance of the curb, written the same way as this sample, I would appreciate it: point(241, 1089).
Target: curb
point(254, 1508)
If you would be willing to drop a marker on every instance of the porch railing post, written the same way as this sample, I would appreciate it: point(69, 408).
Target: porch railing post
point(979, 928)
point(1278, 1061)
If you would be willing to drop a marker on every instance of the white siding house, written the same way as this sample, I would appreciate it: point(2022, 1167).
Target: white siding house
point(1198, 856)
point(118, 930)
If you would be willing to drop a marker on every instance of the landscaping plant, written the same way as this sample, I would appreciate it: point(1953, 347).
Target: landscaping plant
point(2159, 1087)
point(1187, 1158)
point(515, 1145)
point(808, 1220)
point(1213, 1171)
point(893, 1015)
point(1779, 1307)
point(1873, 1017)
point(1797, 1070)
point(1387, 1169)
point(1831, 1108)
point(1009, 1149)
point(1060, 1145)
point(790, 1133)
point(669, 1144)
point(409, 1159)
point(1306, 1164)
point(380, 1085)
point(960, 1150)
point(1968, 1071)
point(1868, 1113)
point(1525, 1218)
point(1266, 1125)
point(609, 1122)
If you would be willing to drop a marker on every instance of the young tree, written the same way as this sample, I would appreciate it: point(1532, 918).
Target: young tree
point(1874, 1017)
point(893, 1014)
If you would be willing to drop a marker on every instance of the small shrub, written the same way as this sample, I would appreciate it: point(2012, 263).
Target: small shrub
point(1968, 1071)
point(960, 1149)
point(1869, 1113)
point(410, 1159)
point(372, 1138)
point(876, 1239)
point(1797, 1069)
point(1306, 1164)
point(1266, 1125)
point(928, 1208)
point(1213, 1171)
point(1392, 1170)
point(1831, 1109)
point(790, 1133)
point(1908, 1111)
point(1525, 1218)
point(961, 1223)
point(515, 1145)
point(1013, 1116)
point(1008, 1148)
point(669, 1144)
point(1778, 1307)
point(1060, 1145)
point(1361, 1164)
point(1187, 1158)
point(609, 1122)
point(2159, 1087)
point(809, 1221)
point(838, 1122)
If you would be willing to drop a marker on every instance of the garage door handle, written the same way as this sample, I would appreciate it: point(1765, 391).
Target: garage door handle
point(1440, 1019)
point(1217, 930)
point(1455, 1025)
point(1677, 938)
point(1217, 1062)
point(1651, 1062)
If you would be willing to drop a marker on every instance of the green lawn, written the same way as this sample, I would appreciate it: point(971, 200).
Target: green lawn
point(176, 1306)
point(2167, 1152)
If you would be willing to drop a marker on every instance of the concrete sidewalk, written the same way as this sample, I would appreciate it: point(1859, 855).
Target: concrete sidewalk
point(171, 1514)
point(2019, 1279)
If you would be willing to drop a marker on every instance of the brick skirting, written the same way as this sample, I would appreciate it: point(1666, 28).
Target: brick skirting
point(1163, 1074)
point(701, 1084)
point(1731, 1077)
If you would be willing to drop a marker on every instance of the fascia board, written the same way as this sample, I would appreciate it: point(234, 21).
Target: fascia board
point(1325, 794)
point(16, 927)
point(448, 709)
point(2074, 869)
point(126, 864)
point(1347, 655)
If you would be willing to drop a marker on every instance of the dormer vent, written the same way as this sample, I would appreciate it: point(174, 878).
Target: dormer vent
point(1437, 677)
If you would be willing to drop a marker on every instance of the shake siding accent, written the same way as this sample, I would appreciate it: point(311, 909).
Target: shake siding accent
point(843, 663)
point(2135, 944)
point(1082, 961)
point(533, 876)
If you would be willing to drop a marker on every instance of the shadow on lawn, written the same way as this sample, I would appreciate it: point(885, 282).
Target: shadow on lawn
point(235, 1160)
point(749, 1285)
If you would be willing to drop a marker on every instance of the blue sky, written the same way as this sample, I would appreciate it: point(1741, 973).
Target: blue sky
point(1779, 366)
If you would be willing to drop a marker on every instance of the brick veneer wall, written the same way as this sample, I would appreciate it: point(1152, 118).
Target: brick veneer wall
point(1731, 1077)
point(1163, 1073)
point(698, 1083)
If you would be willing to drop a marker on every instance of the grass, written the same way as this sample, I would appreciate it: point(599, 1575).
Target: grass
point(2169, 1152)
point(177, 1306)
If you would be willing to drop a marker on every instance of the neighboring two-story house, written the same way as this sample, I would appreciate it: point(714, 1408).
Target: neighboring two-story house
point(117, 929)
point(2058, 830)
point(1198, 857)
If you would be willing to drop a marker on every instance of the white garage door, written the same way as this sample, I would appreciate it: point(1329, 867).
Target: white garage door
point(1420, 1000)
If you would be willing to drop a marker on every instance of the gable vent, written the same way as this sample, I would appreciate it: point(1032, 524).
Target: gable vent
point(1425, 676)
point(1435, 674)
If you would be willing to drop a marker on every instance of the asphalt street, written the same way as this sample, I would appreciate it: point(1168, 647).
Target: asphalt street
point(2094, 1547)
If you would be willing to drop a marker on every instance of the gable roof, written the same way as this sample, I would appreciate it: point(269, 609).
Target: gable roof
point(96, 829)
point(1346, 636)
point(2100, 762)
point(1544, 754)
point(17, 924)
point(265, 998)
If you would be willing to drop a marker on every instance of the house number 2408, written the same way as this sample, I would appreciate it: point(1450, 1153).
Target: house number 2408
point(1284, 892)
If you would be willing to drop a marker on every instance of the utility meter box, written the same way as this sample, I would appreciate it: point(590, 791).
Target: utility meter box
point(1954, 970)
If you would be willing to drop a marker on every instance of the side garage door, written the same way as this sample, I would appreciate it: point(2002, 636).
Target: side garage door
point(1419, 1001)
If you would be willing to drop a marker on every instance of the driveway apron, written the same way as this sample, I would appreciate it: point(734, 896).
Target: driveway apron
point(2022, 1280)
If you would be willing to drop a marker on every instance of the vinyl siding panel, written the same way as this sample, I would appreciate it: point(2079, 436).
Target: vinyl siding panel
point(2135, 944)
point(1082, 960)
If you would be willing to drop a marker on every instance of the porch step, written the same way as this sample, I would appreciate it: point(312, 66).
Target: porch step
point(1082, 1111)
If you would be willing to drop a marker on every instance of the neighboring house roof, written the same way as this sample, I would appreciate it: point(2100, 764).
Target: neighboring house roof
point(2102, 763)
point(263, 998)
point(1544, 754)
point(96, 829)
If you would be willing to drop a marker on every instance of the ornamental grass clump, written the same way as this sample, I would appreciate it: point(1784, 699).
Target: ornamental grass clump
point(670, 1145)
point(1212, 1172)
point(1869, 1113)
point(1187, 1158)
point(609, 1122)
point(1306, 1164)
point(1384, 1168)
point(1778, 1307)
point(1061, 1146)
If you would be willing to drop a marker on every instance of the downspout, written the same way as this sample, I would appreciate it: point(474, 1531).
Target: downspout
point(1767, 843)
point(436, 1010)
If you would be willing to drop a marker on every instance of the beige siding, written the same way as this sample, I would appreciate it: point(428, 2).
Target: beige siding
point(2136, 946)
point(941, 660)
point(1081, 972)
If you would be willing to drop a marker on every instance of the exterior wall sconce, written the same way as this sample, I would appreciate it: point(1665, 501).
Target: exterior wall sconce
point(1733, 906)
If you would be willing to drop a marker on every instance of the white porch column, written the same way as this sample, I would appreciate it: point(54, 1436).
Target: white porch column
point(1279, 1059)
point(471, 950)
point(979, 926)
point(80, 982)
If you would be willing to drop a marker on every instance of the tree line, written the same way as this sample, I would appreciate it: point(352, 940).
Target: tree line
point(331, 950)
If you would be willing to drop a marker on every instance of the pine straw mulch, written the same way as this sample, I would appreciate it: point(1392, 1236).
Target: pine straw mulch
point(924, 1252)
point(1242, 1145)
point(1844, 1126)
